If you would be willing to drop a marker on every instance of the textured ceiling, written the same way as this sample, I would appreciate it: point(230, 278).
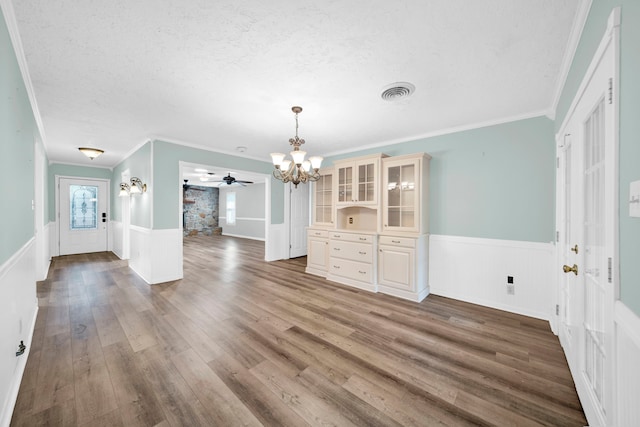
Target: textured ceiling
point(221, 74)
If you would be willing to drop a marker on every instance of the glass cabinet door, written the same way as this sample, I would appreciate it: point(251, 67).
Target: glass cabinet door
point(345, 184)
point(323, 200)
point(366, 182)
point(401, 195)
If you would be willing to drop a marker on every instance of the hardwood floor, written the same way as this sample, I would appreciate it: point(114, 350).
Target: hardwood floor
point(242, 342)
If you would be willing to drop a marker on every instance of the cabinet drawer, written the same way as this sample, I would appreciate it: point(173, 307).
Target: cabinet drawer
point(317, 233)
point(351, 269)
point(350, 250)
point(351, 237)
point(406, 242)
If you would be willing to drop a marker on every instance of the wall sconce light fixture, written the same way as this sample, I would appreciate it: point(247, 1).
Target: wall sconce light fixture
point(124, 189)
point(136, 187)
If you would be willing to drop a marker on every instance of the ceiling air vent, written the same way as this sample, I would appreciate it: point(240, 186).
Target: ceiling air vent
point(396, 91)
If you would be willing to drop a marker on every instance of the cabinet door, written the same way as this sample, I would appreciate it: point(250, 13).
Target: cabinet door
point(401, 196)
point(367, 176)
point(345, 184)
point(395, 267)
point(323, 200)
point(317, 254)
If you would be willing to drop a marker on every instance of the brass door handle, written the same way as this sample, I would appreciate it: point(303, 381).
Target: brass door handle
point(568, 269)
point(575, 249)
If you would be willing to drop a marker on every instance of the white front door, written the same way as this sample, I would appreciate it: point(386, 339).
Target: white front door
point(84, 217)
point(299, 220)
point(586, 245)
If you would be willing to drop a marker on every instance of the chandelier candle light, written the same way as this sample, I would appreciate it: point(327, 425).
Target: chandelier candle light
point(297, 170)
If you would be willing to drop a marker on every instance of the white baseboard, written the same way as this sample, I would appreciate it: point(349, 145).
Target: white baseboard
point(18, 311)
point(411, 296)
point(627, 343)
point(243, 237)
point(475, 270)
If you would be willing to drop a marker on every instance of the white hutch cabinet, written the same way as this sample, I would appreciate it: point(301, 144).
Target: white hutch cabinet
point(377, 236)
point(357, 180)
point(323, 214)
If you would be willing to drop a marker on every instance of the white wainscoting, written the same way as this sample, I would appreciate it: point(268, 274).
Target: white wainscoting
point(156, 255)
point(18, 311)
point(475, 270)
point(277, 247)
point(116, 238)
point(627, 339)
point(43, 253)
point(246, 228)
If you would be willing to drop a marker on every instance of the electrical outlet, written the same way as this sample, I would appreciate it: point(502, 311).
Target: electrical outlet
point(511, 289)
point(350, 220)
point(510, 279)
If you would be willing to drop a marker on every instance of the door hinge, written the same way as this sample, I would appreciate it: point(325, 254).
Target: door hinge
point(610, 90)
point(609, 270)
point(557, 310)
point(557, 236)
point(557, 162)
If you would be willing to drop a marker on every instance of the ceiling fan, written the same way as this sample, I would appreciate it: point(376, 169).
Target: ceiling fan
point(229, 180)
point(186, 186)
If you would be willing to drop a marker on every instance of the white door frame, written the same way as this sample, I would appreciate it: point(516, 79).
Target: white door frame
point(287, 216)
point(267, 198)
point(41, 230)
point(608, 50)
point(56, 246)
point(292, 221)
point(125, 205)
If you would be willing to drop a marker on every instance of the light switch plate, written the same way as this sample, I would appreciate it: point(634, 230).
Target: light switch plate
point(634, 199)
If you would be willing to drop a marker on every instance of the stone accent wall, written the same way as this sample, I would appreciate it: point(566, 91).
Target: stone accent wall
point(200, 211)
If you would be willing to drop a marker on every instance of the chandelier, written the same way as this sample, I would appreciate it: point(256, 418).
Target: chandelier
point(297, 170)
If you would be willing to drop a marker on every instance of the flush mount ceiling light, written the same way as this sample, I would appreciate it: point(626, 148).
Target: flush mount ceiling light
point(396, 91)
point(207, 176)
point(91, 153)
point(297, 170)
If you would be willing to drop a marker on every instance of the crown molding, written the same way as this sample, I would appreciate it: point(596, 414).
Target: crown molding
point(205, 148)
point(579, 21)
point(53, 162)
point(16, 41)
point(445, 131)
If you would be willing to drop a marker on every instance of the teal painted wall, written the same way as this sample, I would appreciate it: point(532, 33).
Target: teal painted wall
point(70, 170)
point(18, 131)
point(139, 165)
point(166, 177)
point(629, 103)
point(494, 182)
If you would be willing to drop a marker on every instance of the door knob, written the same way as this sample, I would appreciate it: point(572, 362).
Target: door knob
point(575, 249)
point(568, 269)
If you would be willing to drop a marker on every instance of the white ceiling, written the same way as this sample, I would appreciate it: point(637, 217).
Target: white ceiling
point(225, 73)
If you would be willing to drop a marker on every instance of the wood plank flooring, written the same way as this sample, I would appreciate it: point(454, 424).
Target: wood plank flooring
point(240, 341)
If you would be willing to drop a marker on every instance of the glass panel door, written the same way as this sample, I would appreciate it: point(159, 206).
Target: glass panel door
point(393, 196)
point(345, 183)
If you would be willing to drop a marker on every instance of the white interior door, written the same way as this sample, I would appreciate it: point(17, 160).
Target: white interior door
point(586, 245)
point(299, 220)
point(84, 218)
